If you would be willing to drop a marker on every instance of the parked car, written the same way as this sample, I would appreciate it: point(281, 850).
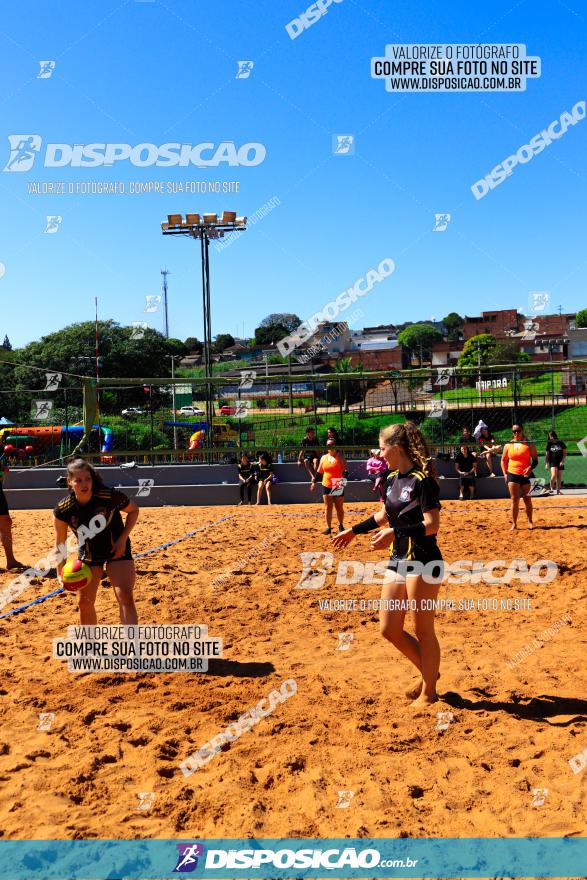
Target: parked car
point(192, 411)
point(227, 410)
point(133, 411)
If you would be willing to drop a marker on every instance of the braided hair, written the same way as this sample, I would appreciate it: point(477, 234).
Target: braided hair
point(410, 438)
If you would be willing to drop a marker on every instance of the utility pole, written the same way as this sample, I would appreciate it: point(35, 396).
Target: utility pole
point(173, 357)
point(479, 369)
point(165, 273)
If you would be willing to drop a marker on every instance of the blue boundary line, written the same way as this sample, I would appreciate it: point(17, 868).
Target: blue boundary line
point(136, 556)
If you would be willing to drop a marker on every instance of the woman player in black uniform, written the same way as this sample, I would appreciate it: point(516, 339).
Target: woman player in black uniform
point(412, 512)
point(88, 498)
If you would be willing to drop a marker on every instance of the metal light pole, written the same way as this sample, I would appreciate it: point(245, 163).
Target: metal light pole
point(204, 228)
point(173, 357)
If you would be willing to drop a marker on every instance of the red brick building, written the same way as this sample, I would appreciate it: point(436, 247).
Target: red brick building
point(498, 323)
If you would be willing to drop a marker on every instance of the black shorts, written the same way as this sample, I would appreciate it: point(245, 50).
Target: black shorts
point(519, 479)
point(401, 564)
point(467, 481)
point(310, 456)
point(327, 490)
point(3, 504)
point(559, 467)
point(101, 561)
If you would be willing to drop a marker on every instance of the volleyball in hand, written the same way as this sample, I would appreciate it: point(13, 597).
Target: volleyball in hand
point(76, 575)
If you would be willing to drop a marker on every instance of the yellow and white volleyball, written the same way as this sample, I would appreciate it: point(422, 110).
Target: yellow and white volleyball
point(76, 575)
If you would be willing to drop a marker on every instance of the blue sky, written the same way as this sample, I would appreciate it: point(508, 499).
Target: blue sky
point(165, 71)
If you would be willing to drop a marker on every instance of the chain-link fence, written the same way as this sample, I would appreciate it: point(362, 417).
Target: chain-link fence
point(155, 420)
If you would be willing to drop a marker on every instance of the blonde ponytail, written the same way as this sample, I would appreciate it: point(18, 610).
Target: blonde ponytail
point(414, 445)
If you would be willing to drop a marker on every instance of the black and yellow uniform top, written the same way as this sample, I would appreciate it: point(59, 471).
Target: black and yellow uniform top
point(245, 470)
point(408, 496)
point(264, 471)
point(107, 503)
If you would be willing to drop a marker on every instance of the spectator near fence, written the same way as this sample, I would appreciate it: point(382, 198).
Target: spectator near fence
point(377, 472)
point(556, 453)
point(246, 477)
point(488, 447)
point(467, 437)
point(264, 476)
point(466, 468)
point(308, 457)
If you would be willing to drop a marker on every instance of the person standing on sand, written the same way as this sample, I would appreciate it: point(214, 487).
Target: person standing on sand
point(89, 497)
point(12, 563)
point(519, 459)
point(556, 453)
point(412, 512)
point(333, 468)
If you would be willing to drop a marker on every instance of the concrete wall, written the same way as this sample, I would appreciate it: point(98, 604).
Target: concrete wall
point(198, 484)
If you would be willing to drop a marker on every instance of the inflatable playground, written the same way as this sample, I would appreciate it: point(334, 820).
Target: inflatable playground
point(32, 443)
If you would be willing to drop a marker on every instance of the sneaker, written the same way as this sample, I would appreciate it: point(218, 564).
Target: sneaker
point(327, 532)
point(340, 529)
point(492, 475)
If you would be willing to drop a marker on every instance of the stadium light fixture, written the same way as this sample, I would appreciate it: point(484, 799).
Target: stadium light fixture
point(205, 227)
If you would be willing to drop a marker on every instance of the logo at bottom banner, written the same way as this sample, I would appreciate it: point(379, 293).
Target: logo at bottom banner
point(187, 857)
point(327, 858)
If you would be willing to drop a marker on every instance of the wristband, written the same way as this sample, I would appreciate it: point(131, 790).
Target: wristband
point(418, 530)
point(534, 463)
point(366, 526)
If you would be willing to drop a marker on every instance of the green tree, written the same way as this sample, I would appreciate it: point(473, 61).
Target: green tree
point(270, 333)
point(350, 389)
point(477, 350)
point(177, 347)
point(454, 324)
point(72, 350)
point(419, 339)
point(581, 318)
point(285, 319)
point(508, 353)
point(7, 343)
point(222, 341)
point(484, 350)
point(193, 345)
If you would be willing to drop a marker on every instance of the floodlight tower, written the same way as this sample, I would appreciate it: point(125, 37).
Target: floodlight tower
point(204, 227)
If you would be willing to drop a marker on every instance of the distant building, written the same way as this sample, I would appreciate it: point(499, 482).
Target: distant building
point(191, 360)
point(577, 343)
point(237, 352)
point(501, 324)
point(546, 337)
point(445, 353)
